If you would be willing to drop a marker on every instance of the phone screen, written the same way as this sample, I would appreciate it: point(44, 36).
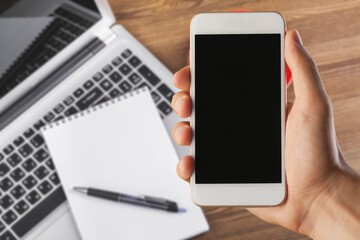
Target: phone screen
point(237, 108)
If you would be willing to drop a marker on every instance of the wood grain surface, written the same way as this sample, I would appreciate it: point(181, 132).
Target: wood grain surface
point(331, 32)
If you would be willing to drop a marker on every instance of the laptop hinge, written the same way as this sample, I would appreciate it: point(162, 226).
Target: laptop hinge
point(51, 81)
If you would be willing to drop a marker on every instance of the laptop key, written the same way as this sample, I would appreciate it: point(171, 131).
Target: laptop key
point(41, 155)
point(49, 163)
point(17, 174)
point(149, 75)
point(125, 69)
point(54, 178)
point(17, 192)
point(115, 77)
point(39, 124)
point(8, 149)
point(6, 184)
point(78, 92)
point(69, 100)
point(28, 133)
point(7, 236)
point(45, 187)
point(89, 99)
point(21, 207)
point(106, 85)
point(18, 141)
point(88, 84)
point(39, 212)
point(115, 93)
point(6, 201)
point(4, 169)
point(41, 172)
point(117, 61)
point(14, 160)
point(155, 96)
point(126, 53)
point(1, 157)
point(164, 108)
point(98, 76)
point(9, 217)
point(37, 141)
point(29, 182)
point(134, 78)
point(125, 86)
point(49, 117)
point(59, 108)
point(25, 150)
point(33, 197)
point(107, 69)
point(166, 92)
point(29, 165)
point(134, 61)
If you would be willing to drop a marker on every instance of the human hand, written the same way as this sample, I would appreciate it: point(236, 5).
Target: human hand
point(314, 165)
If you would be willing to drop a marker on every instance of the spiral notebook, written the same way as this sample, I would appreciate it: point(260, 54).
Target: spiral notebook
point(123, 146)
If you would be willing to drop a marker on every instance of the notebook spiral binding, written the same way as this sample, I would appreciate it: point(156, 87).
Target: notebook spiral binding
point(95, 108)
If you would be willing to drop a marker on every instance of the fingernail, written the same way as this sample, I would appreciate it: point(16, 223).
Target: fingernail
point(298, 38)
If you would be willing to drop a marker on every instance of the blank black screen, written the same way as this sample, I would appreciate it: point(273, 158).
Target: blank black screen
point(238, 108)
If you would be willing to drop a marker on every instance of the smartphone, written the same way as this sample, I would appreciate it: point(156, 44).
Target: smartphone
point(238, 119)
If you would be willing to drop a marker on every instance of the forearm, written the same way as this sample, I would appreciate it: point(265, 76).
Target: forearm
point(336, 212)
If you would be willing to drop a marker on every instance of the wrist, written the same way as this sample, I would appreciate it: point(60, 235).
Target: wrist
point(335, 214)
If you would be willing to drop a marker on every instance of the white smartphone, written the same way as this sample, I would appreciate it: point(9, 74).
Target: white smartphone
point(238, 119)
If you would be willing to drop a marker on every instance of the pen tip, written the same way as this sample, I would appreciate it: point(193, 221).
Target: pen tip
point(182, 210)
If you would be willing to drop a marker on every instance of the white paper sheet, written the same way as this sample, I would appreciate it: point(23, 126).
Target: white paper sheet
point(123, 147)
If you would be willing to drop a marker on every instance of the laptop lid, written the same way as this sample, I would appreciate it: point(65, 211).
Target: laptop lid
point(34, 41)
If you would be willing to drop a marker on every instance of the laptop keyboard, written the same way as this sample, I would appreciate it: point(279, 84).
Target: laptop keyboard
point(65, 28)
point(29, 186)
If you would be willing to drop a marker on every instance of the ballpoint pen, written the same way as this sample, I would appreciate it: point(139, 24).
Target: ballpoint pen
point(146, 201)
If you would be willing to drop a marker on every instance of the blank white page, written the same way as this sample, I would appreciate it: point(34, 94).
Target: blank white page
point(123, 147)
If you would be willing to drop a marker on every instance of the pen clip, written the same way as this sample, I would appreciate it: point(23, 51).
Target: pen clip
point(160, 201)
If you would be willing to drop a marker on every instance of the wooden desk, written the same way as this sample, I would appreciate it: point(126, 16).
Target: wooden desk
point(331, 32)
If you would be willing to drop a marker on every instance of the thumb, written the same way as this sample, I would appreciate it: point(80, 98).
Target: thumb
point(306, 79)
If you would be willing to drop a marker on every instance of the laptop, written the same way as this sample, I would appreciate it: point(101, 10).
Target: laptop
point(60, 57)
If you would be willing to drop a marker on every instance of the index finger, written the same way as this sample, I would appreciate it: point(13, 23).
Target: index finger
point(181, 79)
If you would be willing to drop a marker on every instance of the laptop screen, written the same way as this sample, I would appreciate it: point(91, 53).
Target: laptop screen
point(34, 31)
